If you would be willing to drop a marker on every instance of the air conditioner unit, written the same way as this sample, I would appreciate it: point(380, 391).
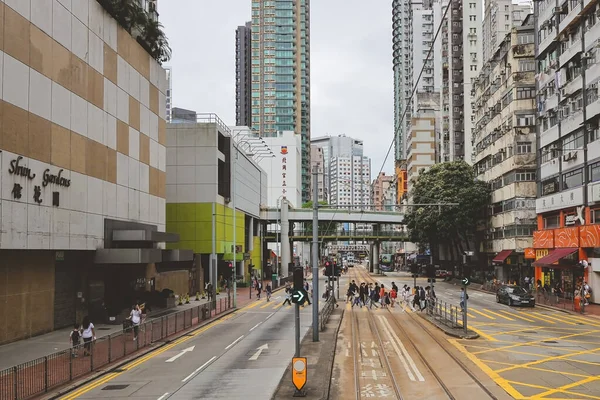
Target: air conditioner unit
point(588, 55)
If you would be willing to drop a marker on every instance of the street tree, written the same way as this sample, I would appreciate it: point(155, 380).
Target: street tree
point(453, 226)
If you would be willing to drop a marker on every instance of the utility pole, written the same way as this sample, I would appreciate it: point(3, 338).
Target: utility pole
point(315, 256)
point(234, 250)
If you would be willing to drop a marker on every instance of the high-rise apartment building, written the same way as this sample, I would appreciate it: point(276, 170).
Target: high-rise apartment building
point(504, 106)
point(318, 161)
point(461, 60)
point(243, 73)
point(380, 188)
point(414, 24)
point(568, 207)
point(421, 140)
point(280, 71)
point(336, 146)
point(499, 18)
point(350, 181)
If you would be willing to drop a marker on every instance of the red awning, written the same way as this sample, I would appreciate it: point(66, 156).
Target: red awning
point(500, 257)
point(556, 255)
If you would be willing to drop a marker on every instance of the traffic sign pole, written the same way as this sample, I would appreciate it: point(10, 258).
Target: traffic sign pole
point(297, 330)
point(465, 283)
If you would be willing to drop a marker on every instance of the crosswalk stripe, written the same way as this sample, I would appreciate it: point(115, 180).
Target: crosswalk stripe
point(517, 316)
point(499, 315)
point(480, 313)
point(254, 305)
point(532, 315)
point(561, 320)
point(267, 304)
point(277, 306)
point(471, 316)
point(288, 307)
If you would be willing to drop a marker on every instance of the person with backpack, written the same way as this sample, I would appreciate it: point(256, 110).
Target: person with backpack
point(88, 334)
point(74, 338)
point(463, 297)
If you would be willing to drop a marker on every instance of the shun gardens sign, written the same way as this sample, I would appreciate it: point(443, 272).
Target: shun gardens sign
point(47, 177)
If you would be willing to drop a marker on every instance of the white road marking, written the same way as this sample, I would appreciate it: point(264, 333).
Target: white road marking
point(270, 315)
point(199, 369)
point(374, 352)
point(255, 326)
point(259, 350)
point(170, 360)
point(403, 353)
point(163, 396)
point(234, 342)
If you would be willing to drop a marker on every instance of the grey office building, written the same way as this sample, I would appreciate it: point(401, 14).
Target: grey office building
point(243, 55)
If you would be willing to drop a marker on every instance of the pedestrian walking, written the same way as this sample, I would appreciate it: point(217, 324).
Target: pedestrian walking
point(288, 296)
point(382, 295)
point(463, 296)
point(74, 338)
point(269, 291)
point(393, 296)
point(88, 334)
point(135, 316)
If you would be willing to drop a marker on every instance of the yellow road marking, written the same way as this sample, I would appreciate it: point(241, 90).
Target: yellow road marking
point(288, 307)
point(480, 313)
point(517, 316)
point(581, 320)
point(537, 341)
point(557, 372)
point(498, 315)
point(471, 316)
point(569, 386)
point(267, 304)
point(94, 384)
point(249, 306)
point(553, 358)
point(500, 381)
point(515, 331)
point(277, 306)
point(529, 385)
point(561, 320)
point(532, 315)
point(482, 334)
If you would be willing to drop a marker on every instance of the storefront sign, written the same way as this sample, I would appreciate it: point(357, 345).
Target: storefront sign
point(539, 253)
point(566, 199)
point(47, 178)
point(284, 151)
point(574, 219)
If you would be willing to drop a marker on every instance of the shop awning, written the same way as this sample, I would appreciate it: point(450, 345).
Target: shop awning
point(554, 256)
point(500, 257)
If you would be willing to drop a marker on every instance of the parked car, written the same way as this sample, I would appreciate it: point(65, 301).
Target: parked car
point(513, 295)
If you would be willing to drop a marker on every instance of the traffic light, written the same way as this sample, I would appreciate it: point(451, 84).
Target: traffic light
point(430, 271)
point(414, 269)
point(328, 269)
point(298, 278)
point(231, 265)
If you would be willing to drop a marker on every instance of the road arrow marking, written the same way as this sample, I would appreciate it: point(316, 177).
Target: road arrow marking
point(259, 350)
point(170, 360)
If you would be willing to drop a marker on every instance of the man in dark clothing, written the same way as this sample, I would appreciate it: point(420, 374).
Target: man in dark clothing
point(394, 287)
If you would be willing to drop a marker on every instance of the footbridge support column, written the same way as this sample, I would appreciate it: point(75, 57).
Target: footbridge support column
point(285, 237)
point(375, 253)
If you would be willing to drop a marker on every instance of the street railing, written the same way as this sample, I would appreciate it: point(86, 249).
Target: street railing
point(38, 376)
point(325, 313)
point(445, 313)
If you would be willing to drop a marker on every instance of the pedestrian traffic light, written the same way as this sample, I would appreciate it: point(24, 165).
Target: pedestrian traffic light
point(298, 278)
point(328, 269)
point(430, 271)
point(414, 269)
point(230, 265)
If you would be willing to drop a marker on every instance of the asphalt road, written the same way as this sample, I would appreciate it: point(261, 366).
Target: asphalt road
point(241, 356)
point(532, 353)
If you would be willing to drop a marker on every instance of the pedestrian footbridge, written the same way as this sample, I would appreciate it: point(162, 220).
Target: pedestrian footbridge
point(273, 215)
point(376, 235)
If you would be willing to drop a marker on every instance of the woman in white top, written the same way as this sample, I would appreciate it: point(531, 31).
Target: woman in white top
point(88, 334)
point(135, 316)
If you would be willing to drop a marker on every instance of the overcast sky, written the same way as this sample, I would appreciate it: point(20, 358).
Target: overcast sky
point(351, 69)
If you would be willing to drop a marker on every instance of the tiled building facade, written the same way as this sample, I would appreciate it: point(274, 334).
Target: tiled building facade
point(82, 140)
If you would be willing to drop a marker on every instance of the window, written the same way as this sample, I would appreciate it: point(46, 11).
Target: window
point(525, 38)
point(506, 17)
point(525, 120)
point(525, 93)
point(472, 18)
point(595, 214)
point(594, 173)
point(526, 65)
point(525, 176)
point(523, 147)
point(573, 179)
point(573, 141)
point(551, 221)
point(473, 68)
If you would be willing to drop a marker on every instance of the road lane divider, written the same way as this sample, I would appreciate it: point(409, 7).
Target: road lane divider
point(269, 316)
point(199, 369)
point(234, 342)
point(164, 396)
point(255, 326)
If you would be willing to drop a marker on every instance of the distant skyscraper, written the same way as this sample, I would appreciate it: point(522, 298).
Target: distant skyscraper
point(280, 70)
point(499, 18)
point(243, 72)
point(169, 94)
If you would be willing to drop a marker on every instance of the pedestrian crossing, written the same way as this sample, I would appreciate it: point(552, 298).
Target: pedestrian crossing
point(274, 304)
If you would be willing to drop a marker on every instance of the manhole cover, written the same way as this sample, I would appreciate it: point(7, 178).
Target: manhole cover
point(580, 323)
point(115, 387)
point(549, 341)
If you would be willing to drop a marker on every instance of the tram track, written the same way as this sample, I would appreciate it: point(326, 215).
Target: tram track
point(406, 337)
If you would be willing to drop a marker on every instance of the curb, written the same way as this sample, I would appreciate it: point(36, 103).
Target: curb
point(448, 332)
point(65, 390)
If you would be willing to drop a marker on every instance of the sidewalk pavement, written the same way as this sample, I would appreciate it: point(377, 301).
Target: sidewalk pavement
point(22, 351)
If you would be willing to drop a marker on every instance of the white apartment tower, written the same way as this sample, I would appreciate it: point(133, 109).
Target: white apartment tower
point(402, 66)
point(350, 181)
point(499, 18)
point(461, 60)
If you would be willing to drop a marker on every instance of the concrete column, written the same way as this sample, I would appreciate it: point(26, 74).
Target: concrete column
point(285, 237)
point(251, 234)
point(376, 257)
point(371, 251)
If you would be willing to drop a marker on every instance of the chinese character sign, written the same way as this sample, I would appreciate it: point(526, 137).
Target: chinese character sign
point(283, 170)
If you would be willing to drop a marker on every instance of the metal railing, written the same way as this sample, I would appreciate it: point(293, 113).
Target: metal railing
point(445, 313)
point(564, 300)
point(42, 374)
point(325, 313)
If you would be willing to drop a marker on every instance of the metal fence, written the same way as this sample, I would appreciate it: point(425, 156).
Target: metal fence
point(445, 313)
point(40, 375)
point(325, 313)
point(564, 300)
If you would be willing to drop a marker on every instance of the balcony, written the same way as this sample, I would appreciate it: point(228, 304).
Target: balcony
point(549, 136)
point(549, 168)
point(592, 35)
point(571, 123)
point(547, 41)
point(571, 16)
point(573, 49)
point(593, 109)
point(592, 74)
point(573, 86)
point(551, 102)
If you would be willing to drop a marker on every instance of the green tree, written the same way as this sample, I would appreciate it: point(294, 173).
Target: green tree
point(309, 204)
point(454, 226)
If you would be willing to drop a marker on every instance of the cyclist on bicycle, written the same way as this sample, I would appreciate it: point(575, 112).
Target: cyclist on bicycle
point(269, 291)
